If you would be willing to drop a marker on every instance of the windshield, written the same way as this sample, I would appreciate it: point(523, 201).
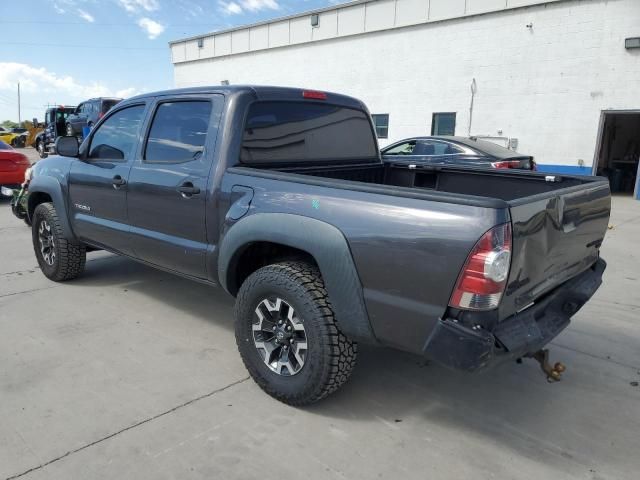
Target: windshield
point(107, 104)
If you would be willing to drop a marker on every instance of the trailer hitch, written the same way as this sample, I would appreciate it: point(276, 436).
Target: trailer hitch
point(553, 373)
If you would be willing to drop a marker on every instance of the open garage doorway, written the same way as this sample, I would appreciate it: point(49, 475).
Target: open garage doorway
point(619, 150)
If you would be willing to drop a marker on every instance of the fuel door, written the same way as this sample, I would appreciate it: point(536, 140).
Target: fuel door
point(240, 202)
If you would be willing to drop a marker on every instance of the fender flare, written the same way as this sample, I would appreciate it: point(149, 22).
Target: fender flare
point(324, 242)
point(50, 186)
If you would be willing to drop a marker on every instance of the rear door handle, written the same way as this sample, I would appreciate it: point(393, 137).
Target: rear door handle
point(187, 189)
point(118, 182)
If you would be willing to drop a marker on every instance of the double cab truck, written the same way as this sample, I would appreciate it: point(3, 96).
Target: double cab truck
point(280, 197)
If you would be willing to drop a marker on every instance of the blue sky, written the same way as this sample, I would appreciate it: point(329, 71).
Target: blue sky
point(64, 51)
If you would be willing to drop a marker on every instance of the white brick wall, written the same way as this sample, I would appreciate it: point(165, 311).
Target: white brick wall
point(545, 86)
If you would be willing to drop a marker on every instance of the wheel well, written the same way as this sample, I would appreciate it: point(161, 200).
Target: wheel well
point(260, 254)
point(36, 199)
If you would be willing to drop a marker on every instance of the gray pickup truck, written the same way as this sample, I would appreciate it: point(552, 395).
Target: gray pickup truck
point(280, 196)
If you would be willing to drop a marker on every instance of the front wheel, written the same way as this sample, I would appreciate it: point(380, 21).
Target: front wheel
point(287, 334)
point(59, 258)
point(42, 153)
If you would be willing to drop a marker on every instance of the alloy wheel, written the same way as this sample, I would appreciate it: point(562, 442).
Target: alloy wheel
point(47, 243)
point(279, 336)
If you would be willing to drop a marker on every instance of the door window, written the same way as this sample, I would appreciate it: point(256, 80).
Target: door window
point(115, 138)
point(405, 148)
point(434, 147)
point(443, 123)
point(178, 132)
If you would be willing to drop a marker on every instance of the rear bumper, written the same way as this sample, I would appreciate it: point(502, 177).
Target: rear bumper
point(467, 348)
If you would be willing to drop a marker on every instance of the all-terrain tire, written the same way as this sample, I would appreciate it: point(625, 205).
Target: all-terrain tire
point(330, 357)
point(70, 256)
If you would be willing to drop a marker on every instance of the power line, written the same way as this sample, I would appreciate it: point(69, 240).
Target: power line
point(59, 45)
point(102, 24)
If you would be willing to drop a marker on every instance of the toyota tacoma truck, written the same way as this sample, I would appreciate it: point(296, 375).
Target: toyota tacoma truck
point(280, 197)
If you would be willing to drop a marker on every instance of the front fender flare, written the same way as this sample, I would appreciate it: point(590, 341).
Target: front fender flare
point(50, 186)
point(324, 242)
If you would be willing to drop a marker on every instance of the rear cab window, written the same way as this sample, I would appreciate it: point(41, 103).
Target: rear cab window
point(281, 132)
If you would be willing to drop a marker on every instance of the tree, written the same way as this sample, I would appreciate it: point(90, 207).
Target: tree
point(9, 124)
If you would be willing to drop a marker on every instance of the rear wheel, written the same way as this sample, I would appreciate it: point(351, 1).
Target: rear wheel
point(41, 149)
point(287, 334)
point(59, 258)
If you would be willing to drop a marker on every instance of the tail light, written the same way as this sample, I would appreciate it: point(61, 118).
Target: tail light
point(506, 164)
point(484, 276)
point(100, 115)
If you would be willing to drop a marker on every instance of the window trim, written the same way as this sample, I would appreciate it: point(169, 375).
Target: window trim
point(86, 157)
point(375, 126)
point(152, 116)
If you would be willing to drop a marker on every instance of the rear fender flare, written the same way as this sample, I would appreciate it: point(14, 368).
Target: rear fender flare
point(324, 242)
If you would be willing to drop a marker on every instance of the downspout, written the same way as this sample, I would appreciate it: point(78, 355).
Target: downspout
point(474, 89)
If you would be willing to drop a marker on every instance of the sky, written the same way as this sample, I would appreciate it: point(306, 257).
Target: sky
point(66, 51)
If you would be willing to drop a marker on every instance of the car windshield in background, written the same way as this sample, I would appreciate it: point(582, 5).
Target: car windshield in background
point(280, 132)
point(18, 130)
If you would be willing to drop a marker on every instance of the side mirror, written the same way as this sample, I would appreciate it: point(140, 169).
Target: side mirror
point(67, 146)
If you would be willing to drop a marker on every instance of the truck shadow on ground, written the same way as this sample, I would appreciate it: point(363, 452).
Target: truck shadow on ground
point(512, 404)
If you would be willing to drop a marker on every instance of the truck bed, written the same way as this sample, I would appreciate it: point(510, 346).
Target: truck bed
point(558, 221)
point(509, 186)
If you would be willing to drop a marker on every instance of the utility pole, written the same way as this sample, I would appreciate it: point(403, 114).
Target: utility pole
point(19, 113)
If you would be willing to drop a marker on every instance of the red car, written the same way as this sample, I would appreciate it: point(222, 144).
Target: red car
point(13, 165)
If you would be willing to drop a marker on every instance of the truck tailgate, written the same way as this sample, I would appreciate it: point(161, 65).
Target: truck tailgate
point(556, 236)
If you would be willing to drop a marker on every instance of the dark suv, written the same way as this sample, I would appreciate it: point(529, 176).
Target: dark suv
point(88, 113)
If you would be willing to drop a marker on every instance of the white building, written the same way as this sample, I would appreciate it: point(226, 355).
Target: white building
point(559, 78)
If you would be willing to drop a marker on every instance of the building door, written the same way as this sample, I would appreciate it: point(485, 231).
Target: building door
point(443, 123)
point(618, 150)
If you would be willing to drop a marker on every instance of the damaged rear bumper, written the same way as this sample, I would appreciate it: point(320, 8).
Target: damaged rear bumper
point(473, 348)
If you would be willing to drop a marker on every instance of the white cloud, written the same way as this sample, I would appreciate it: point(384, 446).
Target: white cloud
point(136, 5)
point(40, 86)
point(231, 8)
point(151, 28)
point(239, 6)
point(86, 16)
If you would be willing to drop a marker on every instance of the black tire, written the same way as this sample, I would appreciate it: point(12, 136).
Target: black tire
point(68, 258)
point(330, 356)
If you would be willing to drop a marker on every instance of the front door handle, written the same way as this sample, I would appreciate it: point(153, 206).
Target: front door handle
point(187, 189)
point(118, 182)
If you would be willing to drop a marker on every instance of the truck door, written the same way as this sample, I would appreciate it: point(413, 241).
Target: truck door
point(168, 183)
point(98, 183)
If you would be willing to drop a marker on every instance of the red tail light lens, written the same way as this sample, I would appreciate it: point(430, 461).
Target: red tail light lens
point(484, 275)
point(506, 164)
point(314, 95)
point(100, 115)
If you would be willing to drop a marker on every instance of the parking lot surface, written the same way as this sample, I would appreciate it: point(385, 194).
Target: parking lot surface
point(128, 372)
